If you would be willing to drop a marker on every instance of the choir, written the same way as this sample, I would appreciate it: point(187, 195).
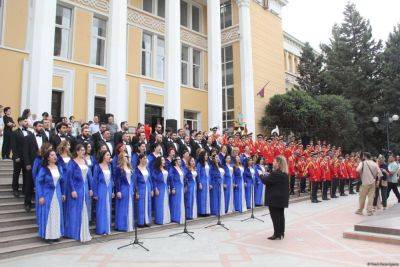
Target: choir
point(162, 178)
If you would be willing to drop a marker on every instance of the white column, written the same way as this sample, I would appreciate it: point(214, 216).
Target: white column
point(246, 64)
point(214, 64)
point(117, 93)
point(40, 76)
point(172, 99)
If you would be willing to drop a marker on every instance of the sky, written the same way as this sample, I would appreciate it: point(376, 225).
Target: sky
point(312, 20)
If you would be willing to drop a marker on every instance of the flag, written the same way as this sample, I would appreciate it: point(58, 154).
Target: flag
point(262, 91)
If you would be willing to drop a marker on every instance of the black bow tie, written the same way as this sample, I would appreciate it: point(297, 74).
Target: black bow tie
point(38, 135)
point(24, 129)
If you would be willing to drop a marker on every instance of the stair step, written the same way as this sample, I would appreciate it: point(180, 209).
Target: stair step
point(372, 237)
point(20, 239)
point(9, 198)
point(30, 218)
point(17, 230)
point(7, 187)
point(4, 214)
point(18, 203)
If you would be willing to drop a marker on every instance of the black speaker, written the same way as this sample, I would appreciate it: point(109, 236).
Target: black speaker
point(171, 124)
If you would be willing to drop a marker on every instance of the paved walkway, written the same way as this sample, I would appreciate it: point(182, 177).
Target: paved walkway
point(313, 238)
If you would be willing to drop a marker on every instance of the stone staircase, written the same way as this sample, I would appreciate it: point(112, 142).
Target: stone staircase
point(18, 230)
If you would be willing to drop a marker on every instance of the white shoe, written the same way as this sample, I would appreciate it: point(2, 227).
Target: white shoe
point(359, 212)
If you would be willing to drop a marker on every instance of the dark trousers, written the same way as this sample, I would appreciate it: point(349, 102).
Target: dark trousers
point(292, 184)
point(351, 185)
point(383, 190)
point(314, 190)
point(278, 220)
point(393, 186)
point(303, 185)
point(28, 187)
point(334, 186)
point(18, 167)
point(325, 186)
point(6, 148)
point(341, 186)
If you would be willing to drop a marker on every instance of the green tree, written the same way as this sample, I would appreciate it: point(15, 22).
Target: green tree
point(295, 111)
point(352, 69)
point(310, 71)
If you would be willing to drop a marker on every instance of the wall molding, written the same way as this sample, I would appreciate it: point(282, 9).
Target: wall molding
point(230, 35)
point(68, 76)
point(143, 90)
point(93, 80)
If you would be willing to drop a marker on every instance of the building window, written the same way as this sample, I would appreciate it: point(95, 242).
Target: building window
point(62, 32)
point(191, 16)
point(226, 14)
point(146, 54)
point(196, 68)
point(156, 7)
point(153, 115)
point(185, 65)
point(1, 20)
point(98, 41)
point(153, 56)
point(184, 14)
point(160, 59)
point(228, 114)
point(100, 107)
point(56, 105)
point(192, 119)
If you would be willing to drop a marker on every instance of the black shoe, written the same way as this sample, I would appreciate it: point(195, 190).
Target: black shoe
point(334, 196)
point(28, 207)
point(274, 238)
point(16, 193)
point(318, 201)
point(291, 193)
point(49, 241)
point(314, 201)
point(351, 192)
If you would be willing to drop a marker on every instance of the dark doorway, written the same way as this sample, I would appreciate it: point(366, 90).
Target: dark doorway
point(56, 105)
point(153, 115)
point(100, 108)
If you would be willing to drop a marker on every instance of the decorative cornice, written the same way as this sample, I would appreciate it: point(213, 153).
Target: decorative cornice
point(99, 5)
point(230, 35)
point(155, 24)
point(243, 3)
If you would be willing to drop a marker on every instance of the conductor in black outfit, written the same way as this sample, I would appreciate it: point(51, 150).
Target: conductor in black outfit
point(277, 196)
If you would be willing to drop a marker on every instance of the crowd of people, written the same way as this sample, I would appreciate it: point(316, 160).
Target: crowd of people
point(83, 173)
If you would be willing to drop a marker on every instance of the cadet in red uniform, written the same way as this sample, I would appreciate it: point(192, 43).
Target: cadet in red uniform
point(292, 174)
point(342, 176)
point(335, 175)
point(314, 173)
point(269, 154)
point(325, 177)
point(301, 173)
point(349, 167)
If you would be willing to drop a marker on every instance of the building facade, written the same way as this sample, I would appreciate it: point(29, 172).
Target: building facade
point(201, 62)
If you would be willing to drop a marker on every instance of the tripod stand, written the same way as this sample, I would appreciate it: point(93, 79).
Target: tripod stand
point(219, 222)
point(135, 241)
point(252, 205)
point(185, 230)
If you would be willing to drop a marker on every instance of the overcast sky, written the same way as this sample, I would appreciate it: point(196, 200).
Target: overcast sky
point(312, 20)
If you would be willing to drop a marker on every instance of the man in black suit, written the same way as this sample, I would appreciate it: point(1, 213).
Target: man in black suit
point(106, 140)
point(7, 133)
point(47, 128)
point(71, 137)
point(118, 135)
point(180, 138)
point(185, 146)
point(197, 144)
point(17, 145)
point(159, 139)
point(32, 145)
point(56, 139)
point(158, 130)
point(85, 137)
point(97, 137)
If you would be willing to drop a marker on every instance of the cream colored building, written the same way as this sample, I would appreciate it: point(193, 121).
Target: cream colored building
point(143, 59)
point(293, 48)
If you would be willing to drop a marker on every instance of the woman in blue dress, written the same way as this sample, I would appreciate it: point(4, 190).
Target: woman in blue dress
point(79, 193)
point(63, 158)
point(217, 186)
point(191, 190)
point(144, 192)
point(120, 148)
point(49, 189)
point(203, 184)
point(228, 185)
point(139, 148)
point(156, 152)
point(124, 193)
point(176, 181)
point(161, 192)
point(248, 177)
point(259, 187)
point(103, 184)
point(170, 157)
point(238, 186)
point(222, 155)
point(90, 162)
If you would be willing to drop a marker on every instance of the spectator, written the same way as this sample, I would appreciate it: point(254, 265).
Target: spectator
point(368, 171)
point(7, 133)
point(393, 178)
point(381, 184)
point(94, 127)
point(113, 127)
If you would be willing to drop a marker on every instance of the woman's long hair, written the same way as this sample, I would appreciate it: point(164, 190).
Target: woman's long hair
point(63, 147)
point(123, 161)
point(282, 164)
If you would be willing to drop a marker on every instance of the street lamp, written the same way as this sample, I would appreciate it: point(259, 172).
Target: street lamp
point(388, 119)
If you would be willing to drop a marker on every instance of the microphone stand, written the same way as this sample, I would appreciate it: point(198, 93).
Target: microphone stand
point(185, 230)
point(252, 205)
point(136, 241)
point(219, 222)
